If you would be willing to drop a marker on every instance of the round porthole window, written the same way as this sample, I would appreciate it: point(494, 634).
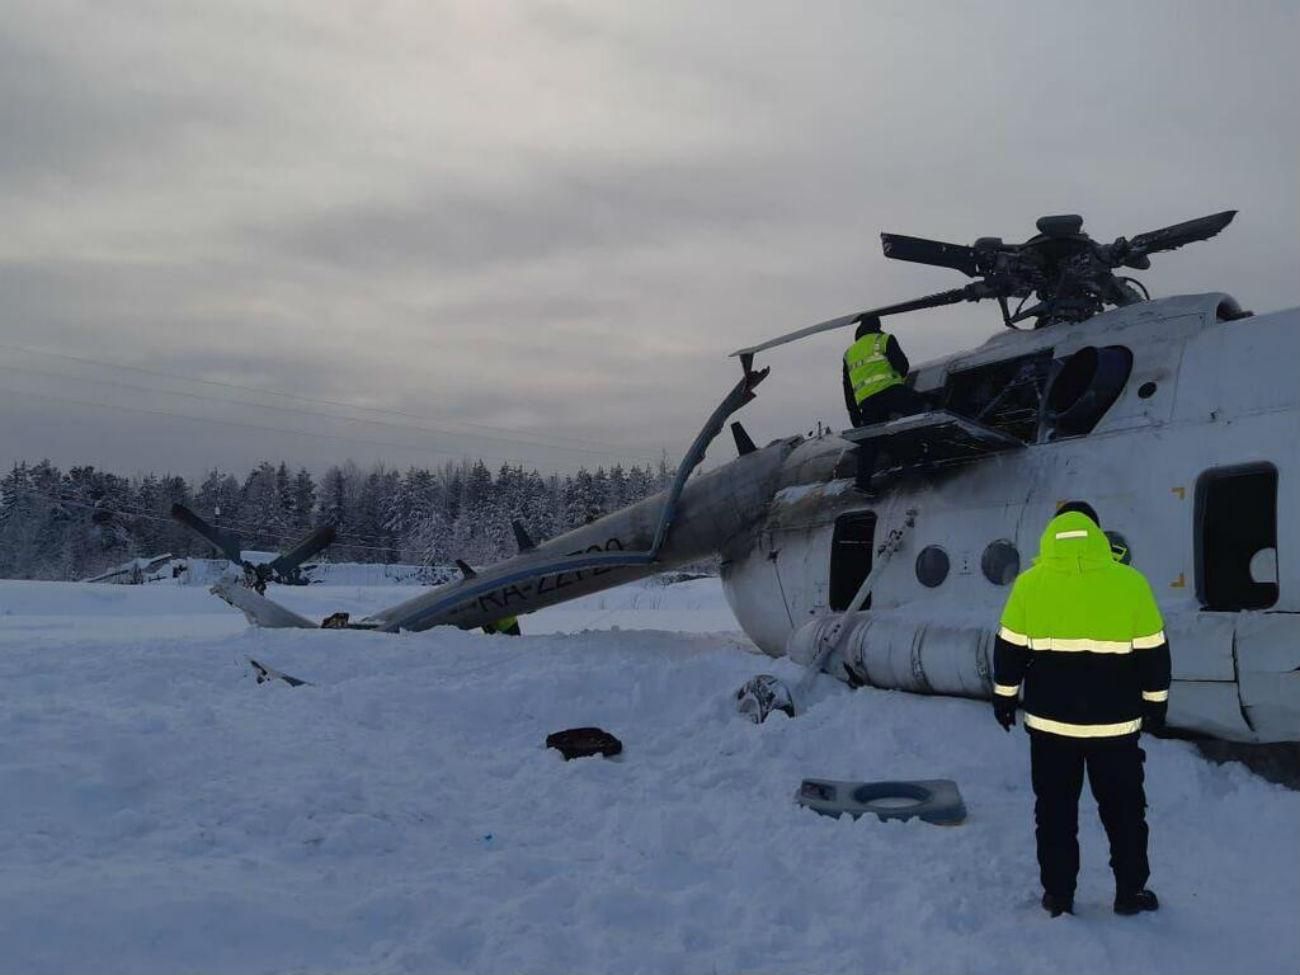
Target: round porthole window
point(932, 566)
point(1001, 562)
point(1119, 548)
point(1146, 390)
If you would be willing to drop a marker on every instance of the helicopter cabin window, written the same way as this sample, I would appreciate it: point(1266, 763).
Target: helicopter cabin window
point(851, 556)
point(1001, 562)
point(1236, 538)
point(1003, 395)
point(1085, 385)
point(932, 566)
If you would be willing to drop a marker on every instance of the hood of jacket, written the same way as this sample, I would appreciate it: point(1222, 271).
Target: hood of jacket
point(1072, 542)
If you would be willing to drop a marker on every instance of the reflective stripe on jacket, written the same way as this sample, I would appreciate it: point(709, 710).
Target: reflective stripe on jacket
point(869, 369)
point(1084, 635)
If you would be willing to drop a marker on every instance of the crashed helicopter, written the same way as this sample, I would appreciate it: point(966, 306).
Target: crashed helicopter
point(1175, 417)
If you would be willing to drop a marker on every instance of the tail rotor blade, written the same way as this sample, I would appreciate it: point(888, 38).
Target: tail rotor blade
point(318, 540)
point(226, 543)
point(919, 250)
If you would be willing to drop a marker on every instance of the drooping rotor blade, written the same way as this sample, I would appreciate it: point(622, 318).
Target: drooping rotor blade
point(919, 250)
point(318, 540)
point(1188, 232)
point(972, 292)
point(226, 544)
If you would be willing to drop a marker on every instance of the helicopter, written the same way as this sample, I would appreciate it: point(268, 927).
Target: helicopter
point(286, 569)
point(1174, 417)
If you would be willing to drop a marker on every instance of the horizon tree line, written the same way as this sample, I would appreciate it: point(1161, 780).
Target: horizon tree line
point(71, 525)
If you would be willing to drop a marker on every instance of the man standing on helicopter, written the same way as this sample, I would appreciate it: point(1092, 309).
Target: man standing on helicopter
point(875, 372)
point(1082, 636)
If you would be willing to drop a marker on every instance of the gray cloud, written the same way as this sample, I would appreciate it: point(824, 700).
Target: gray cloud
point(400, 205)
point(621, 206)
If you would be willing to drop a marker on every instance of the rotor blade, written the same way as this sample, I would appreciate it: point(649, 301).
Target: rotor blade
point(320, 539)
point(226, 543)
point(1188, 232)
point(825, 326)
point(919, 250)
point(967, 293)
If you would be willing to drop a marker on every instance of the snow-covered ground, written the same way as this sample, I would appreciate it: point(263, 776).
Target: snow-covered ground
point(160, 812)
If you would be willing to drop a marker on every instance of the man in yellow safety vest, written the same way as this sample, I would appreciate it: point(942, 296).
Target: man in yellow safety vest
point(875, 372)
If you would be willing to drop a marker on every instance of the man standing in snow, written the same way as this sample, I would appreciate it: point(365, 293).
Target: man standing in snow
point(1083, 635)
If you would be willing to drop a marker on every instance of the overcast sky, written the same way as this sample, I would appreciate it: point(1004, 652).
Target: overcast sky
point(533, 231)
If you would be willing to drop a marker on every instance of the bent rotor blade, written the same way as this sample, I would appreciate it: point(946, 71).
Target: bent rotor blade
point(919, 250)
point(260, 611)
point(1188, 232)
point(226, 544)
point(972, 292)
point(320, 539)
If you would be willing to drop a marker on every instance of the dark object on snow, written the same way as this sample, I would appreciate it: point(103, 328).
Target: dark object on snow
point(1136, 902)
point(762, 695)
point(582, 742)
point(335, 621)
point(935, 801)
point(267, 674)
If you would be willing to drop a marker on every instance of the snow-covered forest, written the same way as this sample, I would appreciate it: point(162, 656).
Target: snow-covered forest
point(69, 525)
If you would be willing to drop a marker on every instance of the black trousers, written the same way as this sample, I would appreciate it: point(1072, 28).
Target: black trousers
point(1114, 768)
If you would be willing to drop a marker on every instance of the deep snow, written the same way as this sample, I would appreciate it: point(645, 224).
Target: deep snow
point(159, 812)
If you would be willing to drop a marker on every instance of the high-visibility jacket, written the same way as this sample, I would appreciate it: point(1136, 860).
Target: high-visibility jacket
point(507, 625)
point(869, 369)
point(1083, 634)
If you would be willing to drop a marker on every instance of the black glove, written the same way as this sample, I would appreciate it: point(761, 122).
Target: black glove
point(1153, 715)
point(1004, 710)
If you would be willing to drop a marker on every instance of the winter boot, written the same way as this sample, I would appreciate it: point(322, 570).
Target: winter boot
point(1135, 902)
point(1057, 904)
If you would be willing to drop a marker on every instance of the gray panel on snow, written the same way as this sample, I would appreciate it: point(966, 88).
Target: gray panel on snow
point(935, 801)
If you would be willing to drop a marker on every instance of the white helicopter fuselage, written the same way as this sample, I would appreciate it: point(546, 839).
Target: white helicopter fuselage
point(1193, 464)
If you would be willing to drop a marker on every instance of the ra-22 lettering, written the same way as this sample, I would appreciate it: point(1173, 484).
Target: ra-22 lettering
point(502, 598)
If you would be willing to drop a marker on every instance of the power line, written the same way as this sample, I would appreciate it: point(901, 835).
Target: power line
point(606, 447)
